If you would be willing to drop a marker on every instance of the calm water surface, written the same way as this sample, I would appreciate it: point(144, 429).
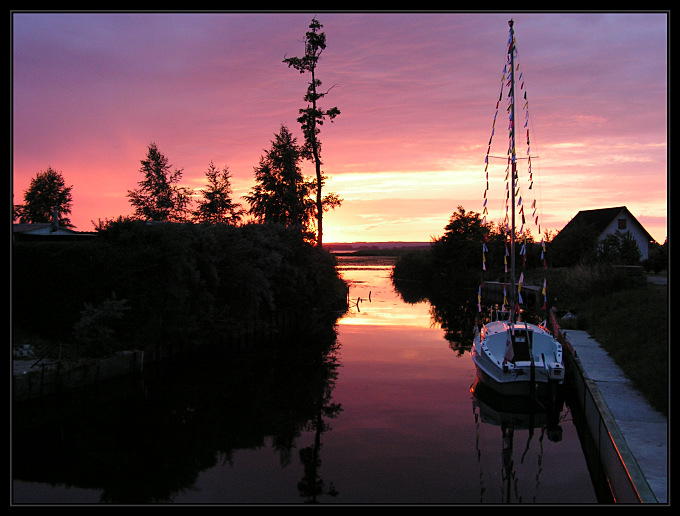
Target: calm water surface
point(406, 430)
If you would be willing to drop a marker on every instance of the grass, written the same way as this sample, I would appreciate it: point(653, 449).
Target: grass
point(631, 324)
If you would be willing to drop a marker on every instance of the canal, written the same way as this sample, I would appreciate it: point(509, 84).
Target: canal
point(383, 414)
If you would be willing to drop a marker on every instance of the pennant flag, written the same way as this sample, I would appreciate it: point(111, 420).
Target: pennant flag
point(545, 296)
point(509, 352)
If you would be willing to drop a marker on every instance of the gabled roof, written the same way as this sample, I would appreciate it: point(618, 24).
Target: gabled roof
point(46, 228)
point(599, 219)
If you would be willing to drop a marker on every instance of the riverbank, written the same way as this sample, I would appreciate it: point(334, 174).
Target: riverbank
point(631, 324)
point(34, 379)
point(625, 423)
point(166, 289)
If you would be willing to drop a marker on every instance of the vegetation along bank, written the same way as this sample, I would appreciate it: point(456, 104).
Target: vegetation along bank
point(624, 313)
point(165, 287)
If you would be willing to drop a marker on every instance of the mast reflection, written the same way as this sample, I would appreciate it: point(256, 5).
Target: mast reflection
point(515, 416)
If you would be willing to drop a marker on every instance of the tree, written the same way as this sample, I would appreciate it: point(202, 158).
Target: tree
point(658, 257)
point(159, 197)
point(312, 117)
point(46, 192)
point(96, 328)
point(461, 245)
point(217, 205)
point(281, 193)
point(577, 243)
point(620, 248)
point(457, 255)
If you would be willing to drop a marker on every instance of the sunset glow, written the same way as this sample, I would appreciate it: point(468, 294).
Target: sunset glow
point(416, 92)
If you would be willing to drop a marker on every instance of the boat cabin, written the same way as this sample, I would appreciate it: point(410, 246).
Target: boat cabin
point(520, 345)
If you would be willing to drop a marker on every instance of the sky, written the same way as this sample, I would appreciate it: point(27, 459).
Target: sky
point(417, 96)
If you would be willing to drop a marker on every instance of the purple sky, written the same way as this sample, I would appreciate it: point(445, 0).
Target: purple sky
point(417, 95)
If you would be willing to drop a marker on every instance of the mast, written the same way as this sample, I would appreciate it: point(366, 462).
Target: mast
point(513, 165)
point(513, 315)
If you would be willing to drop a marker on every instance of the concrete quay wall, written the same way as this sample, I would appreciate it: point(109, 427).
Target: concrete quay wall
point(630, 438)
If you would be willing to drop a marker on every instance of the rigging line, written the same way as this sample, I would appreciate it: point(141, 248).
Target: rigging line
point(516, 158)
point(530, 121)
point(539, 199)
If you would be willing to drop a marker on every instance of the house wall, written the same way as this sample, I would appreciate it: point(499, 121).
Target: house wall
point(633, 227)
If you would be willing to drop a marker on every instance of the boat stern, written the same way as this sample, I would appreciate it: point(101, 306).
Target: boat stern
point(555, 371)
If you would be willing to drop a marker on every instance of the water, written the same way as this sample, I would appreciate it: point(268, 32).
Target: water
point(388, 417)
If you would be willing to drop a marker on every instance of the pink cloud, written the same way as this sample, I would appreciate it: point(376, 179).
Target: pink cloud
point(416, 92)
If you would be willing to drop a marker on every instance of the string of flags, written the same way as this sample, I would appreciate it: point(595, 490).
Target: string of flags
point(508, 76)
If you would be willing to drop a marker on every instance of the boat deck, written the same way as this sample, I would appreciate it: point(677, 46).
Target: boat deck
point(542, 344)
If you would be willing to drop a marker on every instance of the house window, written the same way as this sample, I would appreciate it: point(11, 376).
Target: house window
point(622, 223)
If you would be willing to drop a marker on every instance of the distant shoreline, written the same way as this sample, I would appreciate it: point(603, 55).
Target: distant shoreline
point(359, 246)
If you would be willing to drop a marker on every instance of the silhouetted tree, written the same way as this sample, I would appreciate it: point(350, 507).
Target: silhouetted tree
point(312, 117)
point(658, 257)
point(46, 192)
point(455, 259)
point(460, 248)
point(281, 193)
point(159, 198)
point(95, 331)
point(573, 245)
point(217, 206)
point(620, 248)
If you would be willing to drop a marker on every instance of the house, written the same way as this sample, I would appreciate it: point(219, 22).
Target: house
point(47, 230)
point(607, 221)
point(43, 230)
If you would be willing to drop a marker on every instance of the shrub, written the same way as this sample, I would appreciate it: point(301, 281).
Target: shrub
point(182, 284)
point(96, 328)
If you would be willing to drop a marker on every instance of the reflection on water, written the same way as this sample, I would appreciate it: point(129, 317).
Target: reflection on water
point(153, 441)
point(376, 303)
point(380, 412)
point(524, 426)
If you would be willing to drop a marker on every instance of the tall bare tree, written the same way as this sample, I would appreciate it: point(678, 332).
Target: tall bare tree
point(312, 117)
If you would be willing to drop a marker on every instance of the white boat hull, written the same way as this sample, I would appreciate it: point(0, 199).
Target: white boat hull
point(513, 376)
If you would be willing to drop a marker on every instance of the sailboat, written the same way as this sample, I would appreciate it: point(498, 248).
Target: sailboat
point(512, 356)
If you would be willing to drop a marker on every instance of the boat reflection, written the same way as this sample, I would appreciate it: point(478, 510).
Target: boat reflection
point(516, 417)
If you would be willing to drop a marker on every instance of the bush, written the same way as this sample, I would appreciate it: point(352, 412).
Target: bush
point(568, 287)
point(632, 325)
point(95, 330)
point(658, 258)
point(415, 265)
point(182, 283)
